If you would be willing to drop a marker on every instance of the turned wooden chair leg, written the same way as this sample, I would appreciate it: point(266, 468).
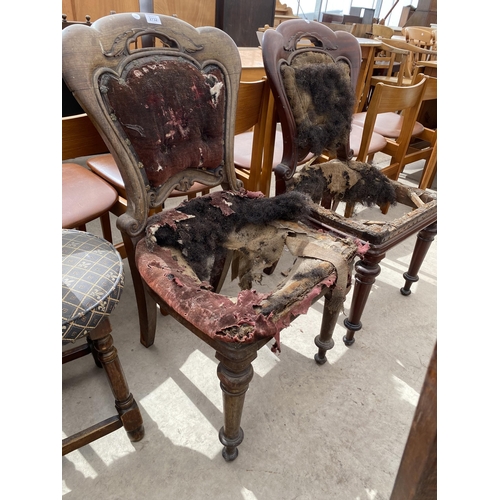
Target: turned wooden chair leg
point(367, 269)
point(124, 401)
point(235, 377)
point(422, 245)
point(146, 305)
point(331, 310)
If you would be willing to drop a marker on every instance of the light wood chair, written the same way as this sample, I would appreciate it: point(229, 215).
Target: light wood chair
point(390, 124)
point(419, 36)
point(84, 196)
point(379, 30)
point(403, 104)
point(179, 258)
point(255, 152)
point(391, 50)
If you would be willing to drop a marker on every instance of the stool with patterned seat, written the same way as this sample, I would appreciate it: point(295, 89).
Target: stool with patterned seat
point(92, 282)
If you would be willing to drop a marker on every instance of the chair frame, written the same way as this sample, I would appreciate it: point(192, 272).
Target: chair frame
point(198, 45)
point(279, 47)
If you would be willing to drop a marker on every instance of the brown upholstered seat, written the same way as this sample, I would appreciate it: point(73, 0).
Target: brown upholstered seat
point(167, 113)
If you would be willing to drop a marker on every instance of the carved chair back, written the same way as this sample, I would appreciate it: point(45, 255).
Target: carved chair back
point(302, 53)
point(166, 111)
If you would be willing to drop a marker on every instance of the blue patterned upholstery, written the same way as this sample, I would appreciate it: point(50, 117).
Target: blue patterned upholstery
point(92, 282)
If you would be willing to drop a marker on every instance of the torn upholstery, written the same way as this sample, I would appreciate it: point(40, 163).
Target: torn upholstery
point(180, 120)
point(322, 99)
point(350, 181)
point(174, 262)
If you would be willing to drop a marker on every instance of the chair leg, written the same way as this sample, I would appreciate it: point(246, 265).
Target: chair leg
point(106, 227)
point(125, 404)
point(331, 310)
point(422, 245)
point(146, 305)
point(235, 376)
point(367, 269)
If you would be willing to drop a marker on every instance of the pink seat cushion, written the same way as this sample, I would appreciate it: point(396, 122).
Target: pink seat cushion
point(377, 142)
point(85, 196)
point(243, 149)
point(387, 124)
point(105, 166)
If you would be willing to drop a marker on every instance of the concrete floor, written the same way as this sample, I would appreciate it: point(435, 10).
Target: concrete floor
point(335, 431)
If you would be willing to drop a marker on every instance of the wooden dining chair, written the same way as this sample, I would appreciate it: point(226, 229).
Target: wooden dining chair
point(420, 36)
point(380, 30)
point(167, 114)
point(346, 179)
point(393, 50)
point(84, 196)
point(254, 151)
point(404, 147)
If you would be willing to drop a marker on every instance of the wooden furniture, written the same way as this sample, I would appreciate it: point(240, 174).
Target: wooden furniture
point(168, 115)
point(92, 282)
point(282, 13)
point(75, 10)
point(84, 195)
point(379, 30)
point(423, 140)
point(409, 57)
point(241, 19)
point(393, 112)
point(282, 56)
point(252, 67)
point(420, 36)
point(195, 12)
point(254, 150)
point(417, 475)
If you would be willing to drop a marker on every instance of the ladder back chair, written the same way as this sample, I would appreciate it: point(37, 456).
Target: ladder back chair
point(306, 127)
point(167, 114)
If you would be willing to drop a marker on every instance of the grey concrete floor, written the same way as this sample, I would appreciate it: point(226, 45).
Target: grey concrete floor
point(335, 431)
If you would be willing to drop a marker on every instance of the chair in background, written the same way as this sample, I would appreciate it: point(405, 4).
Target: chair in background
point(381, 31)
point(419, 36)
point(168, 115)
point(92, 283)
point(253, 156)
point(282, 59)
point(392, 50)
point(84, 196)
point(404, 147)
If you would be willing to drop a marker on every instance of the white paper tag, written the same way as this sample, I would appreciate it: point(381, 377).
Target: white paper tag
point(152, 19)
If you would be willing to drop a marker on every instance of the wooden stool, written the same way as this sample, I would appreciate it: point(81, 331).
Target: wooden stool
point(92, 282)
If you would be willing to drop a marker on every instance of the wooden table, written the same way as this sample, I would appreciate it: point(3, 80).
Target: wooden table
point(252, 66)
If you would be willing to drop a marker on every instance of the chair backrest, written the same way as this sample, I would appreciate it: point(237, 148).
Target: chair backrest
point(328, 69)
point(165, 112)
point(379, 30)
point(80, 138)
point(415, 54)
point(254, 112)
point(421, 37)
point(392, 98)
